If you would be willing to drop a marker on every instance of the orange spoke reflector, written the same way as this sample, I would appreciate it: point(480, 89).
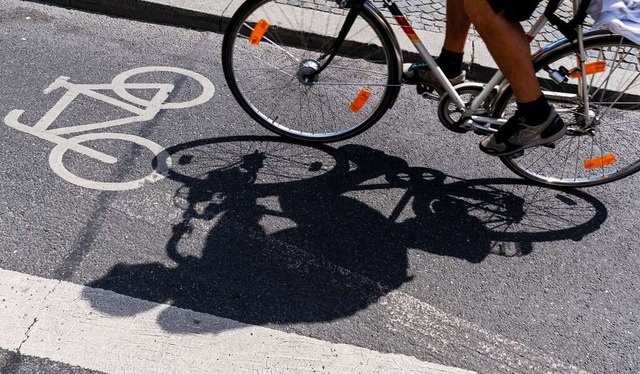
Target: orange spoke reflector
point(591, 68)
point(599, 162)
point(258, 32)
point(360, 100)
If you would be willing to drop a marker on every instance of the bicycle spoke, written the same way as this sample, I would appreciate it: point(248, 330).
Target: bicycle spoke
point(276, 45)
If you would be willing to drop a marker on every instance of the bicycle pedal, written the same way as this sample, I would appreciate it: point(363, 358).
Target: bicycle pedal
point(517, 154)
point(431, 96)
point(427, 92)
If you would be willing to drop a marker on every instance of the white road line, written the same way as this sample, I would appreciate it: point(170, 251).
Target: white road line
point(55, 320)
point(481, 347)
point(441, 334)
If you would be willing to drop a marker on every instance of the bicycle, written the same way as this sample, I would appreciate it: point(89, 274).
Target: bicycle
point(326, 71)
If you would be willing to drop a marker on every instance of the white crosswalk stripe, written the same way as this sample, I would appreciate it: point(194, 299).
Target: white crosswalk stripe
point(58, 321)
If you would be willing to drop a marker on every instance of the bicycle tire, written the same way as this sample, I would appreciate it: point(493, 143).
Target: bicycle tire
point(586, 156)
point(267, 79)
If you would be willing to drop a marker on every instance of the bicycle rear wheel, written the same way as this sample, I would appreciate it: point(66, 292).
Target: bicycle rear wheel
point(608, 148)
point(272, 47)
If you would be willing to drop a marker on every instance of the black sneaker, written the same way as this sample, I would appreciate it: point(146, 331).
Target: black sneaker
point(420, 73)
point(517, 134)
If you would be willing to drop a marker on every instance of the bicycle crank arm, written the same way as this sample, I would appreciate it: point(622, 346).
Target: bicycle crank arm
point(482, 125)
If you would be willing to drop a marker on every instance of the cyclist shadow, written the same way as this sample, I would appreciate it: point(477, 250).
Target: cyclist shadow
point(338, 255)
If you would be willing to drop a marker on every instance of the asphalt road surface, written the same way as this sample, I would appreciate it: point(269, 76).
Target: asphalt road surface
point(404, 240)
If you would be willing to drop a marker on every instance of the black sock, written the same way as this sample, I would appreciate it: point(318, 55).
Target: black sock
point(450, 63)
point(535, 111)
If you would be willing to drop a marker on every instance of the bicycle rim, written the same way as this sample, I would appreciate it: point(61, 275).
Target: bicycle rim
point(269, 50)
point(590, 154)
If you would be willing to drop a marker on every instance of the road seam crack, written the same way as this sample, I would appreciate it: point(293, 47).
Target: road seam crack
point(35, 319)
point(26, 336)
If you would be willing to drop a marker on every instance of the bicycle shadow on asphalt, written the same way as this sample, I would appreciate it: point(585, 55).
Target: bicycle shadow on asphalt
point(335, 254)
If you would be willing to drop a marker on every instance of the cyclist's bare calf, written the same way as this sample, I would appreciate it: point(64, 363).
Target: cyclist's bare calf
point(457, 28)
point(509, 47)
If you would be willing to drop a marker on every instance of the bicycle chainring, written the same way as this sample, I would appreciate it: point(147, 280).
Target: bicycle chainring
point(452, 117)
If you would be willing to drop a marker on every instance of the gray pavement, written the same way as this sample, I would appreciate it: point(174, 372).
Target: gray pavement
point(14, 363)
point(473, 269)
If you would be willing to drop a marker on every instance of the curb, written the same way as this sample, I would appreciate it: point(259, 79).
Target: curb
point(148, 11)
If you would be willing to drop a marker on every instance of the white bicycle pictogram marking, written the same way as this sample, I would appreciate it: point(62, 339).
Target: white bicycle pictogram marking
point(143, 110)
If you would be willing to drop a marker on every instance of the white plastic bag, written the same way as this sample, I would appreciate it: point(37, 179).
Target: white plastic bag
point(621, 17)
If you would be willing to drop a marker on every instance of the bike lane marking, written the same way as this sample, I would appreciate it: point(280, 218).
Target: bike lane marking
point(145, 110)
point(161, 171)
point(56, 320)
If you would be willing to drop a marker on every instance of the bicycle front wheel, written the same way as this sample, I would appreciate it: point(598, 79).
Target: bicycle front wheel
point(602, 143)
point(272, 50)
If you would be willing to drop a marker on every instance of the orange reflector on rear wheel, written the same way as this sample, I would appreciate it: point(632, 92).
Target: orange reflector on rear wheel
point(258, 32)
point(591, 68)
point(360, 100)
point(599, 162)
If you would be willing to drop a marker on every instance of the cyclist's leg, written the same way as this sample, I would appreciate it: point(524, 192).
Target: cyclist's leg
point(535, 123)
point(450, 58)
point(457, 28)
point(509, 47)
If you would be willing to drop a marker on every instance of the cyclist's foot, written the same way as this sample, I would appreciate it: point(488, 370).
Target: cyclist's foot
point(518, 134)
point(419, 73)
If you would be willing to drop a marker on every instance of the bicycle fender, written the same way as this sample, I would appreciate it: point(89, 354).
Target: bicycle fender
point(564, 43)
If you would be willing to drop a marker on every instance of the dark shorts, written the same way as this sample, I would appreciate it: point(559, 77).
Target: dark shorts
point(515, 10)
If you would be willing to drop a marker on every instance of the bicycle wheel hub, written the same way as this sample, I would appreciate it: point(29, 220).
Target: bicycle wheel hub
point(581, 122)
point(307, 72)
